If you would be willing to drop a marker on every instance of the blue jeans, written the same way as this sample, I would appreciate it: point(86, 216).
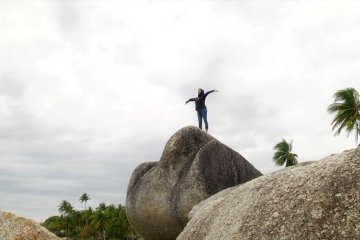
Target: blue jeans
point(202, 114)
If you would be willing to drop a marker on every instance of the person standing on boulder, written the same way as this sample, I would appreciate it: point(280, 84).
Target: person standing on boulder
point(200, 107)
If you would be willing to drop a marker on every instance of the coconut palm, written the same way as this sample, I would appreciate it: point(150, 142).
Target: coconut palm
point(283, 154)
point(84, 198)
point(66, 210)
point(100, 218)
point(346, 108)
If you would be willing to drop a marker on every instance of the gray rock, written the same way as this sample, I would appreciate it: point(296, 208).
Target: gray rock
point(19, 228)
point(319, 200)
point(193, 166)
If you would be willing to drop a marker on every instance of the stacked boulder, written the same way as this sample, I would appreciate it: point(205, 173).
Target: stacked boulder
point(193, 167)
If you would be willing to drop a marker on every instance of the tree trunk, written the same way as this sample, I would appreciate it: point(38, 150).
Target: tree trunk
point(87, 223)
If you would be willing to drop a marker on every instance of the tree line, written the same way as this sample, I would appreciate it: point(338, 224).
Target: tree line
point(103, 222)
point(346, 107)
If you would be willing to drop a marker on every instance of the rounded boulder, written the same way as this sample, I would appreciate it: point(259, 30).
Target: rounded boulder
point(193, 167)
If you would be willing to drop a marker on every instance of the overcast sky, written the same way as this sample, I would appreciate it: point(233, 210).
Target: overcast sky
point(91, 89)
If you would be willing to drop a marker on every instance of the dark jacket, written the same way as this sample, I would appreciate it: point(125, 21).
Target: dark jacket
point(200, 100)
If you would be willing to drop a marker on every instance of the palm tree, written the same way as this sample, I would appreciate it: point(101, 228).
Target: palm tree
point(100, 218)
point(85, 198)
point(66, 210)
point(347, 112)
point(283, 154)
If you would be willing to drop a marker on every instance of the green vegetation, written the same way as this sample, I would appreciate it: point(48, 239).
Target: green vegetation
point(85, 198)
point(105, 222)
point(283, 154)
point(346, 108)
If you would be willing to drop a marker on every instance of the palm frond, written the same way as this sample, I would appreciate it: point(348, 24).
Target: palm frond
point(283, 154)
point(346, 108)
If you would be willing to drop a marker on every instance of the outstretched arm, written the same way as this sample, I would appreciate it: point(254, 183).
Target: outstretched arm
point(191, 99)
point(210, 92)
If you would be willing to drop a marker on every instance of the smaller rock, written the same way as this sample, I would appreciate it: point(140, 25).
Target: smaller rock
point(19, 228)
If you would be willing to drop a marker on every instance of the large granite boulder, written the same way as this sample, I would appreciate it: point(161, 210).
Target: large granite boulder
point(193, 166)
point(320, 200)
point(13, 227)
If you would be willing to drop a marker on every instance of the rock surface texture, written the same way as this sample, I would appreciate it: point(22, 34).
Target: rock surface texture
point(13, 227)
point(193, 167)
point(320, 200)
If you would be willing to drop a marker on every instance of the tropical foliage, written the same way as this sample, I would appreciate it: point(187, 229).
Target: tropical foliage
point(283, 154)
point(346, 108)
point(104, 222)
point(85, 198)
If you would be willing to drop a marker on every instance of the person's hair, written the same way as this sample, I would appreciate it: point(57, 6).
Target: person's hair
point(201, 92)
